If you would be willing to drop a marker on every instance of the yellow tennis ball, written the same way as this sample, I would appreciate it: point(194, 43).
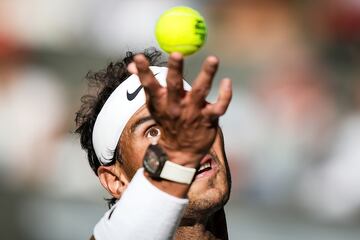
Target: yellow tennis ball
point(181, 29)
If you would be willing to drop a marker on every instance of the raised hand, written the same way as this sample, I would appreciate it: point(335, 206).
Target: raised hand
point(188, 122)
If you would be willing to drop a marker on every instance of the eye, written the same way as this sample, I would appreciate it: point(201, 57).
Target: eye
point(153, 132)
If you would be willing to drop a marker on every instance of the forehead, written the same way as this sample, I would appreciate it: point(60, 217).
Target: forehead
point(139, 114)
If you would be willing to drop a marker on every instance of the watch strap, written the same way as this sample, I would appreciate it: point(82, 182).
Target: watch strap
point(177, 173)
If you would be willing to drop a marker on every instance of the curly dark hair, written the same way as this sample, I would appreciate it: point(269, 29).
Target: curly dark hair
point(100, 86)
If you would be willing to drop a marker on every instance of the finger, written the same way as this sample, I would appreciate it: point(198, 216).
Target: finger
point(174, 79)
point(220, 106)
point(132, 68)
point(147, 79)
point(202, 84)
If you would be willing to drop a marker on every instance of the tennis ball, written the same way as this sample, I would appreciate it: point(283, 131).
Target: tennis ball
point(181, 29)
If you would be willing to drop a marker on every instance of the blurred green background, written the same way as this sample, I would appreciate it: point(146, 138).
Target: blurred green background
point(292, 131)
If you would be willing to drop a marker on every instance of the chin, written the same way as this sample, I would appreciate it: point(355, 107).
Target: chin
point(208, 194)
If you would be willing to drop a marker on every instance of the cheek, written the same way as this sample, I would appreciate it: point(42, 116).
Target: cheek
point(218, 149)
point(132, 153)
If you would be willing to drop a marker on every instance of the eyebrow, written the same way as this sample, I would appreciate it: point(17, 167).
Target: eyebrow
point(140, 121)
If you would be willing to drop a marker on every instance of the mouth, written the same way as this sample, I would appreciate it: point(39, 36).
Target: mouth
point(208, 167)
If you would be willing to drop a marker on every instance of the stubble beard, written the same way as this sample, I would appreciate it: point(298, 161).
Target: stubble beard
point(204, 203)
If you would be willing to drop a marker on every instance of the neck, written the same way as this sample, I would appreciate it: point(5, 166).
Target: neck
point(212, 227)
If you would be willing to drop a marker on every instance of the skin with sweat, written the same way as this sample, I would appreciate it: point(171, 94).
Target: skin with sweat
point(206, 192)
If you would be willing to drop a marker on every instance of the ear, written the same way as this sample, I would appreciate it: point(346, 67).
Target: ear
point(113, 179)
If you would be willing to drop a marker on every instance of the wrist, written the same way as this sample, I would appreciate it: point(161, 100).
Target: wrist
point(181, 156)
point(170, 187)
point(185, 159)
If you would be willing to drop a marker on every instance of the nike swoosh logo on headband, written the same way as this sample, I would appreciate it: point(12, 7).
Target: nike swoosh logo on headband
point(132, 96)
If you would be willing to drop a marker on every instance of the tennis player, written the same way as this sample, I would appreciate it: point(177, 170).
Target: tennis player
point(156, 147)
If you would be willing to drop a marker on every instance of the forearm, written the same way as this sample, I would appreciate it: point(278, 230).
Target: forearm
point(143, 212)
point(173, 188)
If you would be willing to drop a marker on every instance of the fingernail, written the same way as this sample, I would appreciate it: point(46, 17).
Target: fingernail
point(176, 55)
point(139, 57)
point(132, 68)
point(213, 59)
point(227, 84)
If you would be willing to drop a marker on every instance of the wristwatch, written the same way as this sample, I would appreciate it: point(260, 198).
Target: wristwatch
point(158, 165)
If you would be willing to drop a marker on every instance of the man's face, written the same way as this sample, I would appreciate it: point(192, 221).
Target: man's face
point(210, 189)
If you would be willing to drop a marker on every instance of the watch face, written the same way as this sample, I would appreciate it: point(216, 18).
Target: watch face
point(154, 160)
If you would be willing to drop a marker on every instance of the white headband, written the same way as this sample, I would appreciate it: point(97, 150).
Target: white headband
point(126, 99)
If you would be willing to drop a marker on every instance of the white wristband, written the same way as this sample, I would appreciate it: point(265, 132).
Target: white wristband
point(143, 212)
